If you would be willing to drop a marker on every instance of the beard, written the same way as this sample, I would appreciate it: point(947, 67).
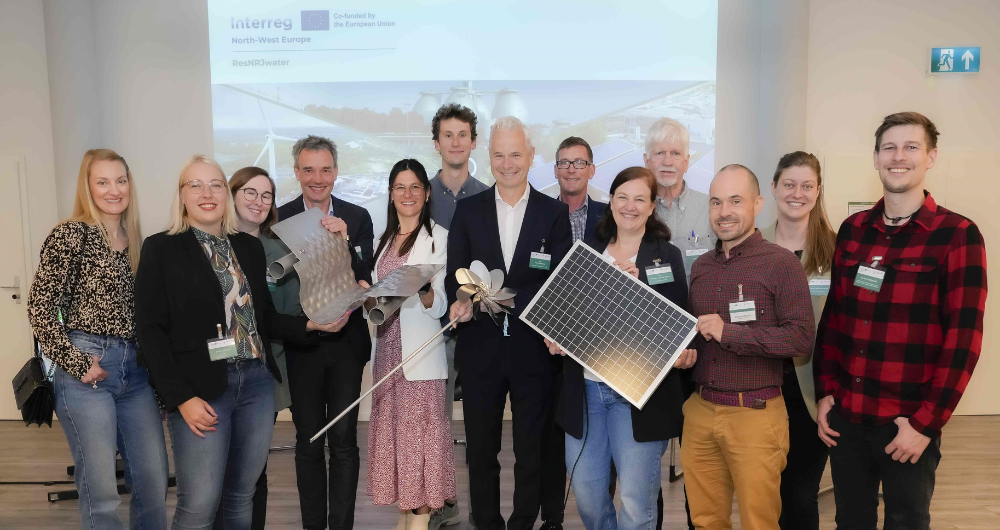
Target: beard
point(665, 181)
point(897, 187)
point(738, 231)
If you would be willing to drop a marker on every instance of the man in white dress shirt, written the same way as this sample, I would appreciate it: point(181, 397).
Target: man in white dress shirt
point(526, 234)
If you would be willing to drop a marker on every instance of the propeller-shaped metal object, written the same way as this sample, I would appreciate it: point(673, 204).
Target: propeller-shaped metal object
point(485, 289)
point(480, 285)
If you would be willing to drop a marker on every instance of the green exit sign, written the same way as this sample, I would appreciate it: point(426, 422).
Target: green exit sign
point(956, 59)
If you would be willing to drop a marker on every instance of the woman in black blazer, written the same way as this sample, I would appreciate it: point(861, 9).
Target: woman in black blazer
point(205, 320)
point(601, 426)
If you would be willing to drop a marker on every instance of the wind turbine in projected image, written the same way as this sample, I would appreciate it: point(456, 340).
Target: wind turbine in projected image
point(269, 139)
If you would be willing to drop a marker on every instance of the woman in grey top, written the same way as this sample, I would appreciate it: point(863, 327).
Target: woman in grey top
point(253, 197)
point(81, 310)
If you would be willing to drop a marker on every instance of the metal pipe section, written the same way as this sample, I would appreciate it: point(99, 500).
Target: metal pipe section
point(384, 308)
point(282, 266)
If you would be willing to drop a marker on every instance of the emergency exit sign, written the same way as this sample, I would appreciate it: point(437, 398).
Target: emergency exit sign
point(955, 60)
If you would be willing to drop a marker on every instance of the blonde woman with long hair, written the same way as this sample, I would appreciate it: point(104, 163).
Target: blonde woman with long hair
point(81, 310)
point(205, 322)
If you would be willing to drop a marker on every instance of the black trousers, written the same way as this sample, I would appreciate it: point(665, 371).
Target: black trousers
point(323, 381)
point(484, 396)
point(807, 456)
point(554, 473)
point(859, 464)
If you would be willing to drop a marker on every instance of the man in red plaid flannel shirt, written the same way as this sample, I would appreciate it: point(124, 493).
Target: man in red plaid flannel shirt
point(899, 337)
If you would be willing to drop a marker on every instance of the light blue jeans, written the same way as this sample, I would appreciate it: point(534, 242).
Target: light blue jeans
point(120, 415)
point(225, 464)
point(609, 422)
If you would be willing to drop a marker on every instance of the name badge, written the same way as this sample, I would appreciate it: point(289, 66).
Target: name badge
point(272, 284)
point(819, 286)
point(221, 349)
point(540, 261)
point(358, 250)
point(691, 254)
point(744, 311)
point(659, 274)
point(870, 278)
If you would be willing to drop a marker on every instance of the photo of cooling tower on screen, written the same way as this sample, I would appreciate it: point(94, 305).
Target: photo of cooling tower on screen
point(373, 83)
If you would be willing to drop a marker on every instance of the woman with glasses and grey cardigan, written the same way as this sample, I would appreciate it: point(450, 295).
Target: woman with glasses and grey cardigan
point(81, 310)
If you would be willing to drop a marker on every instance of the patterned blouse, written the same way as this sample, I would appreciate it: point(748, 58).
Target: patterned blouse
point(240, 320)
point(101, 302)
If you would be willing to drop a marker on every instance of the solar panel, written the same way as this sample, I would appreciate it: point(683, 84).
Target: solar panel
point(610, 322)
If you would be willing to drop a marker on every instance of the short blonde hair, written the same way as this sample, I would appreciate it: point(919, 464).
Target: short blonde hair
point(86, 211)
point(667, 129)
point(178, 214)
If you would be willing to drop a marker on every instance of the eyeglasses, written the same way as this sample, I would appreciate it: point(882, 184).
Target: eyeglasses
point(217, 186)
point(579, 163)
point(415, 189)
point(251, 194)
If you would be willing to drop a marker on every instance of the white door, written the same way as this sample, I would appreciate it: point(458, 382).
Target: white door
point(15, 279)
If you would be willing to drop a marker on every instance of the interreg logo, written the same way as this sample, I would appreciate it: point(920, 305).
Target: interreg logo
point(260, 23)
point(317, 20)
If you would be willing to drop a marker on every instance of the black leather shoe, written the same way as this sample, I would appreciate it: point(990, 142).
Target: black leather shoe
point(550, 525)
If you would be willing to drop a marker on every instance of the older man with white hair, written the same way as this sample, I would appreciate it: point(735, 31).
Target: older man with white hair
point(524, 233)
point(682, 209)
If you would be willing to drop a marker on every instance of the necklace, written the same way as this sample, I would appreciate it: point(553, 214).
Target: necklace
point(896, 220)
point(404, 233)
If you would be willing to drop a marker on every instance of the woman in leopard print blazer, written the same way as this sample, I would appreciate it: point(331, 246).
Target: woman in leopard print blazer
point(81, 310)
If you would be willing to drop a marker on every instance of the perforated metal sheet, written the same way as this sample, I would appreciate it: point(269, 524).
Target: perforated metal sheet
point(607, 320)
point(327, 288)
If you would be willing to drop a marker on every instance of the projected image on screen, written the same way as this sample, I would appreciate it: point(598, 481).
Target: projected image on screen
point(371, 78)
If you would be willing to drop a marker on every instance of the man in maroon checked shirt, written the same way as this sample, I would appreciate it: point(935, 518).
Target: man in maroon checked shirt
point(754, 312)
point(899, 337)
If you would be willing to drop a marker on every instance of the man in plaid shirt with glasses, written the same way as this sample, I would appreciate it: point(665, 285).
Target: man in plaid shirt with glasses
point(899, 337)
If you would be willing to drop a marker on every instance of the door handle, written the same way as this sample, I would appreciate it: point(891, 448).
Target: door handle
point(16, 287)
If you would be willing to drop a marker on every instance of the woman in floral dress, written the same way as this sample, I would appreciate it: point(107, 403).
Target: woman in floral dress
point(410, 458)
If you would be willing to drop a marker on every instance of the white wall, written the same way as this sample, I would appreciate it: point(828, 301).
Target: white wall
point(133, 76)
point(25, 136)
point(74, 88)
point(868, 60)
point(761, 90)
point(25, 120)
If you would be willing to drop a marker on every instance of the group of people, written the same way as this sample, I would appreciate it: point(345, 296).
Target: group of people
point(812, 344)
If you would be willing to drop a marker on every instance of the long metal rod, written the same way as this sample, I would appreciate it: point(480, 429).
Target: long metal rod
point(380, 381)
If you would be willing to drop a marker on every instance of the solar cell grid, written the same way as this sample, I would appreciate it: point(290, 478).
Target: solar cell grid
point(622, 330)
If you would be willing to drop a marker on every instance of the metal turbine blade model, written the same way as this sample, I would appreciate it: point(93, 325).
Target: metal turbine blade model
point(489, 295)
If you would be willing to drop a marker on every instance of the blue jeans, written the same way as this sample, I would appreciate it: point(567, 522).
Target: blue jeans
point(226, 463)
point(121, 416)
point(607, 430)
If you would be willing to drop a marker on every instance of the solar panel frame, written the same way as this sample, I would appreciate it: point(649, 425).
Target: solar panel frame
point(599, 316)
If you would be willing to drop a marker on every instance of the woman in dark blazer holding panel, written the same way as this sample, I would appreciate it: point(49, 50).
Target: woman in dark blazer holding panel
point(204, 322)
point(631, 237)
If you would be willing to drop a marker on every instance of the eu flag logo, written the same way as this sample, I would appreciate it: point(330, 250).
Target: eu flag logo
point(316, 20)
